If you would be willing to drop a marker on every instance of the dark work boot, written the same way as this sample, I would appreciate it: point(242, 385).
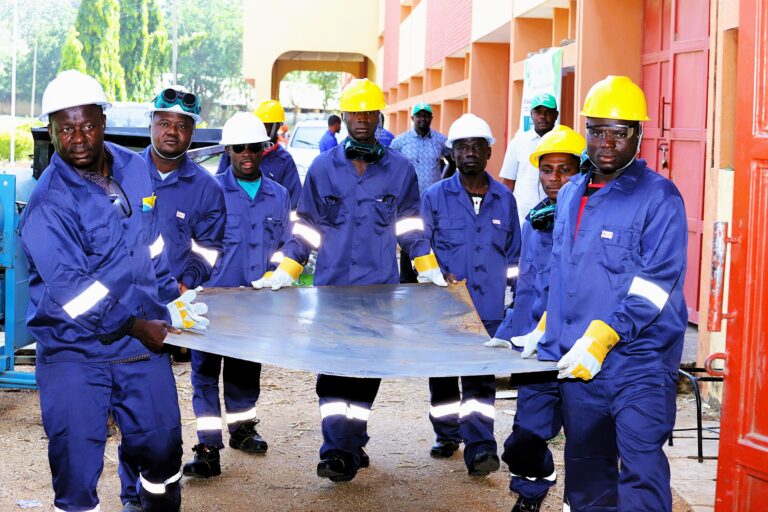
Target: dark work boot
point(525, 505)
point(336, 469)
point(483, 464)
point(246, 439)
point(365, 460)
point(443, 448)
point(206, 462)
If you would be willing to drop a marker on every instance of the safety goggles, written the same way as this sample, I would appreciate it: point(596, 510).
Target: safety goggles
point(253, 147)
point(171, 97)
point(118, 198)
point(615, 132)
point(368, 153)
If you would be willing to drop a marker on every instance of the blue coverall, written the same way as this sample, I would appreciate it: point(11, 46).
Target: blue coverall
point(328, 141)
point(90, 271)
point(191, 209)
point(481, 248)
point(255, 229)
point(538, 418)
point(355, 223)
point(277, 165)
point(624, 266)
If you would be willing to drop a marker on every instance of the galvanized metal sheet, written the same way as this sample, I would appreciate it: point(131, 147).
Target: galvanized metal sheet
point(359, 331)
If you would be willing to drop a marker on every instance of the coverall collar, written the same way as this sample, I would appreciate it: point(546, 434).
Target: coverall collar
point(186, 169)
point(454, 186)
point(230, 184)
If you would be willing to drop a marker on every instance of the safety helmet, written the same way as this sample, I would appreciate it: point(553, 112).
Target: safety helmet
point(361, 95)
point(270, 111)
point(469, 125)
point(243, 128)
point(72, 89)
point(561, 139)
point(177, 99)
point(616, 97)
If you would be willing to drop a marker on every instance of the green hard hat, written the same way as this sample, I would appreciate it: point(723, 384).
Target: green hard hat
point(544, 100)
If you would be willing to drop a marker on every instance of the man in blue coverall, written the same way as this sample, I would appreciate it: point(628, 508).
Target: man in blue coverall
point(258, 222)
point(616, 314)
point(328, 140)
point(359, 201)
point(471, 221)
point(538, 417)
point(277, 164)
point(94, 307)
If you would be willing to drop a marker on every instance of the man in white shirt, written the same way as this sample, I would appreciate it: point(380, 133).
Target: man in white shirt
point(517, 172)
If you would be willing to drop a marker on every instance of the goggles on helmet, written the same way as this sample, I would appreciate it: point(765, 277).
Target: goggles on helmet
point(186, 100)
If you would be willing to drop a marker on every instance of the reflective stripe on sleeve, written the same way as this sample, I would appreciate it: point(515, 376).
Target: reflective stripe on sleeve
point(209, 254)
point(311, 236)
point(277, 257)
point(408, 224)
point(158, 488)
point(157, 247)
point(236, 417)
point(208, 423)
point(650, 291)
point(473, 406)
point(293, 216)
point(86, 300)
point(440, 411)
point(512, 272)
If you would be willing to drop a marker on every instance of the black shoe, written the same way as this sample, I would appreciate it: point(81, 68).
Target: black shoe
point(483, 464)
point(524, 505)
point(181, 354)
point(443, 448)
point(206, 462)
point(132, 506)
point(246, 439)
point(335, 469)
point(365, 460)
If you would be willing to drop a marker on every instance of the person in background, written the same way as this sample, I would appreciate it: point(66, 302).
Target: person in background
point(384, 136)
point(516, 171)
point(328, 141)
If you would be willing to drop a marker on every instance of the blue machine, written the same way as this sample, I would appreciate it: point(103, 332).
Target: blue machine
point(14, 286)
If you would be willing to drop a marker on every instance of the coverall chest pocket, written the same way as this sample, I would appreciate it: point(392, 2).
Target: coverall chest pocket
point(618, 252)
point(449, 233)
point(500, 235)
point(182, 226)
point(232, 229)
point(386, 210)
point(273, 231)
point(527, 271)
point(333, 210)
point(100, 241)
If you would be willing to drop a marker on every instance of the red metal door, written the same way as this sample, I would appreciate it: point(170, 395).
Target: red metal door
point(675, 64)
point(742, 481)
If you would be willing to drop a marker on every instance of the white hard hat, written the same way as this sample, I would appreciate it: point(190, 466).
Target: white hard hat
point(72, 89)
point(243, 128)
point(175, 106)
point(469, 125)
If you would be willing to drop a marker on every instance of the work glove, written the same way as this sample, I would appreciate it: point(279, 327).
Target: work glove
point(586, 357)
point(429, 270)
point(530, 342)
point(498, 343)
point(187, 314)
point(285, 274)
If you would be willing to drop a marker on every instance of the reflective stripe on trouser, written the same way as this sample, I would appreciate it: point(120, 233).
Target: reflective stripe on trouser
point(242, 386)
point(476, 415)
point(607, 419)
point(526, 451)
point(444, 401)
point(345, 403)
point(141, 396)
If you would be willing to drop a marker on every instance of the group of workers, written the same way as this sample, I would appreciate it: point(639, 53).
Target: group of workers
point(120, 243)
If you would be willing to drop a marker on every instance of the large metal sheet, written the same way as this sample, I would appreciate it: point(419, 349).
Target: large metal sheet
point(360, 331)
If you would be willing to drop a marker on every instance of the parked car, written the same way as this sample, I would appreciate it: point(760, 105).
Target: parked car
point(304, 143)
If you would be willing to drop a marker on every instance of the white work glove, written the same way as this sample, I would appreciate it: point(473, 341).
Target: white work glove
point(585, 359)
point(428, 270)
point(497, 343)
point(285, 274)
point(186, 314)
point(530, 342)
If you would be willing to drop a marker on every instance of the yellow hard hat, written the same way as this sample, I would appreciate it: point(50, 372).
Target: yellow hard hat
point(361, 95)
point(560, 139)
point(270, 111)
point(616, 97)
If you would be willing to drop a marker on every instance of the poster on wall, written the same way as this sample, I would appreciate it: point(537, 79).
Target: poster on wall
point(543, 74)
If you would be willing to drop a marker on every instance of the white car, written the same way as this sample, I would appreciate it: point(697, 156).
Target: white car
point(304, 144)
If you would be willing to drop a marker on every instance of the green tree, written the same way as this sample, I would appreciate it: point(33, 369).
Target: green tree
point(329, 83)
point(143, 47)
point(72, 53)
point(98, 23)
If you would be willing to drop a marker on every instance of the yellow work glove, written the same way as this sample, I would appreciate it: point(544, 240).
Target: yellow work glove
point(287, 272)
point(586, 357)
point(186, 314)
point(429, 270)
point(530, 342)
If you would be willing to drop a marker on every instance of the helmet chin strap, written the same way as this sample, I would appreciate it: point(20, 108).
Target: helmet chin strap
point(617, 172)
point(166, 157)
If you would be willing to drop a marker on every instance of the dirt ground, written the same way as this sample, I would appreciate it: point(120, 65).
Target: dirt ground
point(402, 476)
